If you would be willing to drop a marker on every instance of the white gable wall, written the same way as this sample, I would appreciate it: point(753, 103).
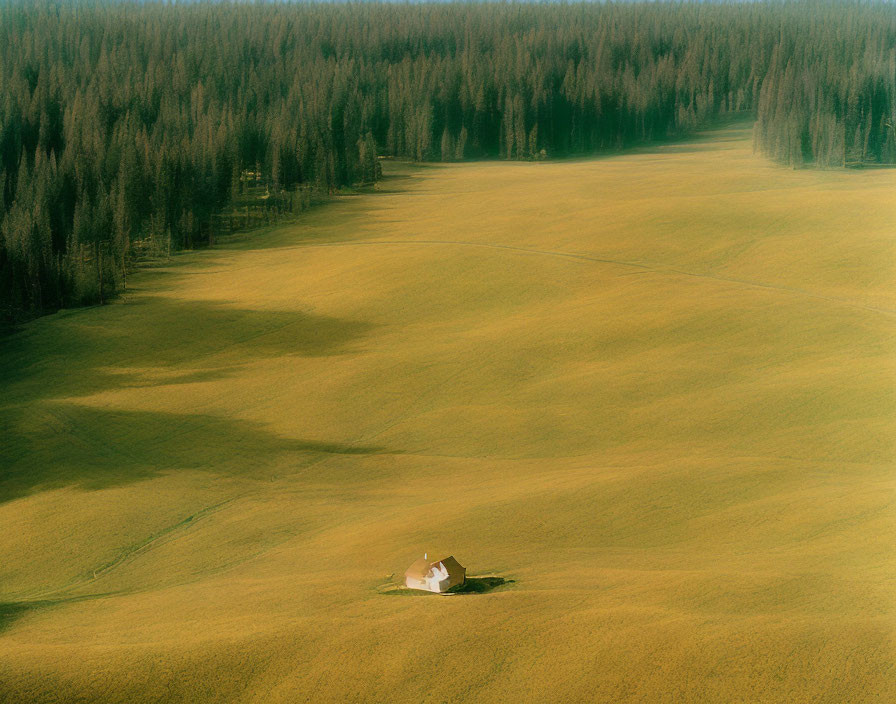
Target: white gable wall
point(436, 580)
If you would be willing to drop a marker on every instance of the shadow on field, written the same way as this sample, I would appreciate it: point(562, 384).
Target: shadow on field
point(473, 585)
point(9, 612)
point(481, 585)
point(401, 178)
point(143, 342)
point(169, 331)
point(46, 440)
point(51, 445)
point(346, 211)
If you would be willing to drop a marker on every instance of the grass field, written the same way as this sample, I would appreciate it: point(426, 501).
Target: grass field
point(654, 392)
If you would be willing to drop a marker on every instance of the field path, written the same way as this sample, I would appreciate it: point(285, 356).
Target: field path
point(654, 392)
point(635, 265)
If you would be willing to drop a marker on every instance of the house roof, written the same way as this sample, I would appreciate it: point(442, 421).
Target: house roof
point(421, 567)
point(452, 565)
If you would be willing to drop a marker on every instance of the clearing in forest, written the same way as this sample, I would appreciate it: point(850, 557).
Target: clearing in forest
point(653, 392)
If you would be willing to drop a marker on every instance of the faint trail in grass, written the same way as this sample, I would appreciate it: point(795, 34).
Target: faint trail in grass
point(149, 542)
point(128, 553)
point(647, 267)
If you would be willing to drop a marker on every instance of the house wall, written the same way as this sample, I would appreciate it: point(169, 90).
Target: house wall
point(438, 587)
point(415, 583)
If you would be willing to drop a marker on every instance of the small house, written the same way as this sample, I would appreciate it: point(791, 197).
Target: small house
point(438, 576)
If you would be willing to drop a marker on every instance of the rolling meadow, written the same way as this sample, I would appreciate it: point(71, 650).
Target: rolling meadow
point(652, 391)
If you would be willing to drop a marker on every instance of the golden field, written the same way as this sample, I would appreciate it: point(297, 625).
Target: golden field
point(653, 391)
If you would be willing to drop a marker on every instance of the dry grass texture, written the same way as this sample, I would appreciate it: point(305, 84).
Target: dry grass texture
point(655, 390)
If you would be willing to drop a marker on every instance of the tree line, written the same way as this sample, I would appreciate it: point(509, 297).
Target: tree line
point(123, 123)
